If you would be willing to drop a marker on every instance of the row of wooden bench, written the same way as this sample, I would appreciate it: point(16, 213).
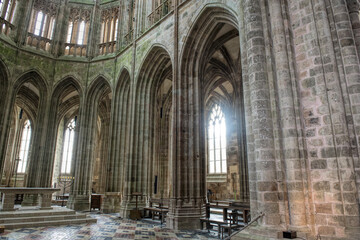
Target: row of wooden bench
point(157, 208)
point(234, 216)
point(225, 215)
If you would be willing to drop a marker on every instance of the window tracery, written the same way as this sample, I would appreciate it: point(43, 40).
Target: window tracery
point(109, 29)
point(42, 24)
point(7, 13)
point(68, 147)
point(78, 31)
point(216, 141)
point(24, 147)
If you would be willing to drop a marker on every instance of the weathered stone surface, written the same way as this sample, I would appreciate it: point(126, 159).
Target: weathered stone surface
point(286, 77)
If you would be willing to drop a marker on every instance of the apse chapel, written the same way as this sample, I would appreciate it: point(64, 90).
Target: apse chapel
point(189, 101)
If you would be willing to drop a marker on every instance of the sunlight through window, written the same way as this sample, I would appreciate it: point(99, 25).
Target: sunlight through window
point(217, 141)
point(81, 33)
point(24, 147)
point(38, 22)
point(68, 147)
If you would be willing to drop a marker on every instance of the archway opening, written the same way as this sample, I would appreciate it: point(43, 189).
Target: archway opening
point(66, 111)
point(23, 122)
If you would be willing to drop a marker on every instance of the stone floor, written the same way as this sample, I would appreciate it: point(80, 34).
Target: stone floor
point(108, 227)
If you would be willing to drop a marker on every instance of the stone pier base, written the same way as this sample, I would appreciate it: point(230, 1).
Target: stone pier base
point(79, 202)
point(111, 202)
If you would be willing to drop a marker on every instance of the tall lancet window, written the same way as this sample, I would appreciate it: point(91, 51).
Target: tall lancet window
point(81, 33)
point(68, 147)
point(24, 147)
point(217, 141)
point(39, 23)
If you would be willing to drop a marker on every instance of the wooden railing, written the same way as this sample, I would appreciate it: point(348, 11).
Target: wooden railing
point(105, 48)
point(128, 38)
point(6, 27)
point(38, 42)
point(161, 11)
point(73, 49)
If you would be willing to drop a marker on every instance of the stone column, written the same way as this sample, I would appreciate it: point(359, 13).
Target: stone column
point(95, 25)
point(5, 117)
point(23, 9)
point(188, 164)
point(353, 8)
point(264, 166)
point(286, 89)
point(80, 192)
point(21, 21)
point(60, 31)
point(118, 145)
point(323, 49)
point(37, 150)
point(84, 155)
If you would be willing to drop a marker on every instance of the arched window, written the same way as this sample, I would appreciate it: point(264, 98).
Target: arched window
point(116, 29)
point(24, 147)
point(217, 141)
point(38, 23)
point(7, 10)
point(68, 147)
point(69, 33)
point(81, 33)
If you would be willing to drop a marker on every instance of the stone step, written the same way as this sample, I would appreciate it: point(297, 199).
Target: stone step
point(34, 212)
point(41, 218)
point(49, 223)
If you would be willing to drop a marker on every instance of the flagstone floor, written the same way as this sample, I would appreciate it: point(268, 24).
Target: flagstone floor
point(108, 227)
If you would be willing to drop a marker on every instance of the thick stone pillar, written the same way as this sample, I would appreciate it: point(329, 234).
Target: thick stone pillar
point(135, 162)
point(354, 8)
point(118, 145)
point(80, 190)
point(289, 124)
point(263, 169)
point(38, 142)
point(60, 31)
point(188, 164)
point(323, 48)
point(85, 145)
point(5, 122)
point(94, 32)
point(22, 10)
point(21, 21)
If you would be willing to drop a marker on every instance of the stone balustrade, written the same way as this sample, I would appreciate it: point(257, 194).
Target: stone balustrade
point(76, 50)
point(10, 192)
point(38, 42)
point(108, 47)
point(5, 26)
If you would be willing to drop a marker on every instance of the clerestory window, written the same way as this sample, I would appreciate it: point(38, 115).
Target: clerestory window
point(42, 24)
point(68, 147)
point(7, 10)
point(24, 147)
point(81, 33)
point(39, 23)
point(216, 141)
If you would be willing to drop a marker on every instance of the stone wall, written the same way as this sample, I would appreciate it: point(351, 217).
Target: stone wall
point(293, 143)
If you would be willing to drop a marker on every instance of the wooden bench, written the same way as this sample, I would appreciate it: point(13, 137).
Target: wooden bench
point(229, 227)
point(234, 216)
point(228, 209)
point(208, 223)
point(157, 207)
